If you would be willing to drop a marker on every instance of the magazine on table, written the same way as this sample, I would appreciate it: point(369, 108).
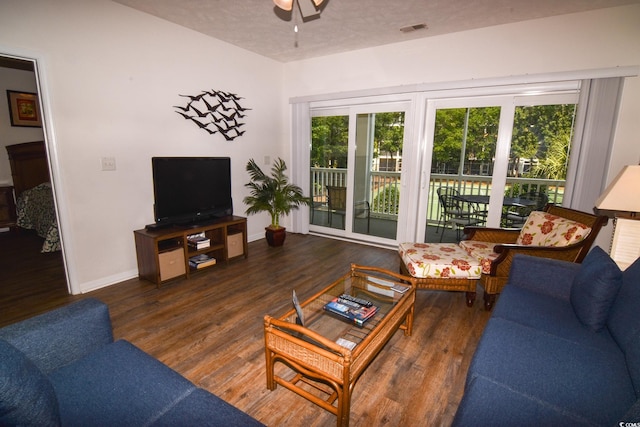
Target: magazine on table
point(358, 313)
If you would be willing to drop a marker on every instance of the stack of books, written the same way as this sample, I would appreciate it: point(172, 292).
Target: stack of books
point(198, 241)
point(355, 310)
point(201, 261)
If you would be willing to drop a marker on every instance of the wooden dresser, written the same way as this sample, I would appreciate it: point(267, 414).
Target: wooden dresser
point(29, 165)
point(7, 207)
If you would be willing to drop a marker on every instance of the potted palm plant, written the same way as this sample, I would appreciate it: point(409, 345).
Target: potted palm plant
point(275, 195)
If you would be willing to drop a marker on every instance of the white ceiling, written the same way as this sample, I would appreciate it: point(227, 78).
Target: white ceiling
point(344, 25)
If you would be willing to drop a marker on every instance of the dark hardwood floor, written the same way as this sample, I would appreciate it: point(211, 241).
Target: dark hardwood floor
point(31, 282)
point(210, 328)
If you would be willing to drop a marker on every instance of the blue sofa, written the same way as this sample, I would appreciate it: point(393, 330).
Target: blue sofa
point(63, 368)
point(562, 347)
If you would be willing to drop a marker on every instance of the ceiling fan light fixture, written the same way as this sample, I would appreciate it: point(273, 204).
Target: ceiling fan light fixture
point(288, 4)
point(285, 4)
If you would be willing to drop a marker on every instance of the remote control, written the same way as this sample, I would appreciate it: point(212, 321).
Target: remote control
point(362, 302)
point(348, 303)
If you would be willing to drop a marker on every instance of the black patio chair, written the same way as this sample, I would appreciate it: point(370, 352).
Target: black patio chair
point(456, 212)
point(337, 204)
point(517, 216)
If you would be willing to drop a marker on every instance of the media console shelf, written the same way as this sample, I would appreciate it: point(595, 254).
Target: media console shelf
point(164, 254)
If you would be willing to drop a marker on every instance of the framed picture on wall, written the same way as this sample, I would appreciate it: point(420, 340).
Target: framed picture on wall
point(24, 109)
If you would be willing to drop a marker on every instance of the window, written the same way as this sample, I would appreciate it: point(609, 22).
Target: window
point(494, 140)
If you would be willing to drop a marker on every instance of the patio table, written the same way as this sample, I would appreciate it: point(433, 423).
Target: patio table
point(507, 201)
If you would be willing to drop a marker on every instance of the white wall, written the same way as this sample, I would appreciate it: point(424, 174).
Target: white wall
point(603, 38)
point(112, 75)
point(20, 81)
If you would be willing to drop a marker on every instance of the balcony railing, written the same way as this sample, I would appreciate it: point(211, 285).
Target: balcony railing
point(384, 189)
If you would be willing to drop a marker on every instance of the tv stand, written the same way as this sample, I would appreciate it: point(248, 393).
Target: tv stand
point(157, 226)
point(163, 253)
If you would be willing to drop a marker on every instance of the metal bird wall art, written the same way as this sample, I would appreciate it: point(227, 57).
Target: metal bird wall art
point(215, 111)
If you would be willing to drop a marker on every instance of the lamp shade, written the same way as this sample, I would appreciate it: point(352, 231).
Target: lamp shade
point(623, 194)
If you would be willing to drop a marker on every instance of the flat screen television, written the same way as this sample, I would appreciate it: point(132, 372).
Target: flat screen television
point(191, 190)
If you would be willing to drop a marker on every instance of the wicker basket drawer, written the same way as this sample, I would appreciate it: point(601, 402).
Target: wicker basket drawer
point(171, 264)
point(235, 245)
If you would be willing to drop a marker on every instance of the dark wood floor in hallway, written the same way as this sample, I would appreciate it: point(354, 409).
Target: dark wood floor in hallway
point(210, 328)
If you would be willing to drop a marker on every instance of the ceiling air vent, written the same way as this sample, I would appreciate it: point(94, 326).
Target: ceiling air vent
point(415, 27)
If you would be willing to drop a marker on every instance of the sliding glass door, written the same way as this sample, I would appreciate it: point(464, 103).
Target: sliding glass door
point(329, 164)
point(355, 171)
point(491, 160)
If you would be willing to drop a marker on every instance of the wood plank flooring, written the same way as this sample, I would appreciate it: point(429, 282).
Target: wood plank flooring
point(210, 329)
point(30, 282)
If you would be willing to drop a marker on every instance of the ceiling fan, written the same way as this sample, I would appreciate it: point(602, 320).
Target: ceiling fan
point(307, 7)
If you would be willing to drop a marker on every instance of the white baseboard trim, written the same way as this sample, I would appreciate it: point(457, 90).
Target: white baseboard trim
point(103, 282)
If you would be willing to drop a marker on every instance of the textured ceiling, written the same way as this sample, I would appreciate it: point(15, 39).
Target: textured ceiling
point(260, 27)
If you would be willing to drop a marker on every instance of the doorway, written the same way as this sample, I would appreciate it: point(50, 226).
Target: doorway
point(20, 73)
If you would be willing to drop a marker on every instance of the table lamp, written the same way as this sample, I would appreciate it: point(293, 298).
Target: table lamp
point(621, 200)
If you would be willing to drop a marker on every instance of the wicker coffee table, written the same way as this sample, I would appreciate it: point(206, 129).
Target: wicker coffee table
point(320, 369)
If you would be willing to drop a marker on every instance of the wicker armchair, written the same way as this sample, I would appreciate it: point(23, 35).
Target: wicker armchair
point(496, 267)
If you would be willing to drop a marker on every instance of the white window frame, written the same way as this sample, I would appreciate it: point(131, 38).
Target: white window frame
point(415, 148)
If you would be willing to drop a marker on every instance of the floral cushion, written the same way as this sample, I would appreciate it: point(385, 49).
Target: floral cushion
point(36, 211)
point(482, 251)
point(544, 229)
point(439, 261)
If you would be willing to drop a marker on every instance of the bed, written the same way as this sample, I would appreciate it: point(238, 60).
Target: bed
point(34, 196)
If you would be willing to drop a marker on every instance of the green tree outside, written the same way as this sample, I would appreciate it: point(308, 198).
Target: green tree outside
point(388, 133)
point(329, 141)
point(541, 135)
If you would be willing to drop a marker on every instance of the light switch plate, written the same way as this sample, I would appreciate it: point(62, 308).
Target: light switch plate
point(108, 163)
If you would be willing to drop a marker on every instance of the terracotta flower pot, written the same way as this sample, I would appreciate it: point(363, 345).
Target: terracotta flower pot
point(275, 236)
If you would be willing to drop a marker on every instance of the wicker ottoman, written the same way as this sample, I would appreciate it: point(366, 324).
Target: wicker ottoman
point(441, 267)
